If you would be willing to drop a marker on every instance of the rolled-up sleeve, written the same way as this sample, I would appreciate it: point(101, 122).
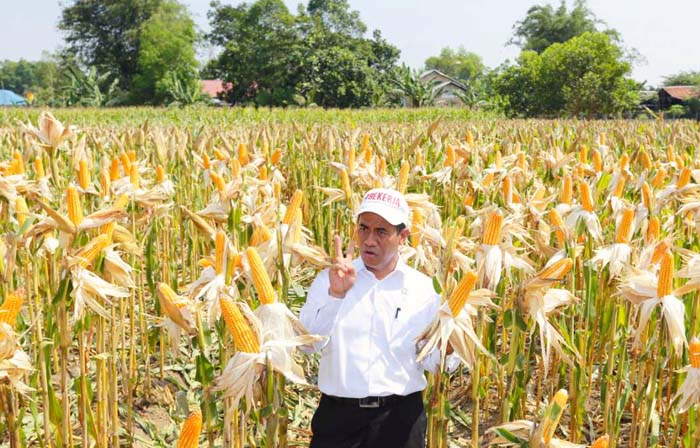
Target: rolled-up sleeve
point(320, 311)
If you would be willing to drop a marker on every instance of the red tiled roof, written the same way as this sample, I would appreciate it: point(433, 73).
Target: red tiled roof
point(682, 92)
point(213, 87)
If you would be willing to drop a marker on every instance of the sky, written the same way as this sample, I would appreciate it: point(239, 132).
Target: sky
point(662, 32)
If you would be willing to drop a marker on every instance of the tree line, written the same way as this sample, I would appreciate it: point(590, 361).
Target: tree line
point(129, 52)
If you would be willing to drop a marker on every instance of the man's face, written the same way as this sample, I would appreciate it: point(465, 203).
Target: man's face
point(379, 243)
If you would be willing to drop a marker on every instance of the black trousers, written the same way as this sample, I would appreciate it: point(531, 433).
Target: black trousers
point(399, 424)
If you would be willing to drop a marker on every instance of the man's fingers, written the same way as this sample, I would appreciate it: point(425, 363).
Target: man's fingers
point(338, 247)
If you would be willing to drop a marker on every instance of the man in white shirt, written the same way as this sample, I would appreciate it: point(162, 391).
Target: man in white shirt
point(372, 309)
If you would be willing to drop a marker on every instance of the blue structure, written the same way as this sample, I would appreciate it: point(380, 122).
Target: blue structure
point(9, 98)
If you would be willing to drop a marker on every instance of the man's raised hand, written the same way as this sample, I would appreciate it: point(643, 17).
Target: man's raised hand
point(342, 273)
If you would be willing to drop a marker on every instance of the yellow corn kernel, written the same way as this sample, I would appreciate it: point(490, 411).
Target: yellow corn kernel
point(557, 222)
point(347, 188)
point(382, 167)
point(449, 157)
point(92, 249)
point(665, 285)
point(220, 252)
point(624, 231)
point(366, 151)
point(105, 182)
point(19, 162)
point(597, 162)
point(276, 156)
point(487, 180)
point(206, 162)
point(498, 160)
point(351, 160)
point(601, 442)
point(75, 209)
point(659, 178)
point(276, 190)
point(557, 270)
point(297, 226)
point(243, 155)
point(469, 138)
point(134, 176)
point(507, 186)
point(619, 187)
point(553, 415)
point(220, 155)
point(262, 172)
point(294, 204)
point(417, 221)
point(132, 156)
point(39, 168)
point(567, 190)
point(22, 210)
point(694, 349)
point(492, 228)
point(419, 157)
point(191, 429)
point(260, 235)
point(461, 293)
point(468, 200)
point(261, 281)
point(10, 308)
point(653, 229)
point(683, 178)
point(83, 174)
point(646, 160)
point(235, 168)
point(243, 336)
point(126, 163)
point(160, 174)
point(522, 161)
point(624, 161)
point(602, 139)
point(670, 153)
point(114, 169)
point(583, 154)
point(646, 195)
point(402, 181)
point(218, 182)
point(586, 197)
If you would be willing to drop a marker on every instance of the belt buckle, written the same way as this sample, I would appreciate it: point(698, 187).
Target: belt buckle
point(369, 402)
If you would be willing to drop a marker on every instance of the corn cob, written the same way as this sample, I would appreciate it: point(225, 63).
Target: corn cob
point(347, 188)
point(206, 161)
point(619, 187)
point(653, 229)
point(659, 178)
point(75, 209)
point(262, 172)
point(461, 293)
point(218, 182)
point(683, 178)
point(261, 281)
point(402, 181)
point(522, 161)
point(160, 174)
point(557, 222)
point(553, 415)
point(469, 138)
point(665, 285)
point(10, 308)
point(601, 442)
point(597, 161)
point(126, 163)
point(220, 251)
point(507, 186)
point(583, 154)
point(220, 155)
point(646, 160)
point(260, 235)
point(586, 197)
point(134, 176)
point(382, 167)
point(22, 210)
point(416, 223)
point(670, 153)
point(39, 168)
point(351, 160)
point(567, 190)
point(557, 270)
point(170, 306)
point(276, 156)
point(243, 336)
point(132, 156)
point(243, 155)
point(105, 182)
point(235, 168)
point(624, 231)
point(449, 157)
point(646, 195)
point(419, 157)
point(366, 151)
point(624, 161)
point(694, 349)
point(492, 228)
point(191, 429)
point(89, 252)
point(83, 174)
point(601, 139)
point(294, 204)
point(114, 169)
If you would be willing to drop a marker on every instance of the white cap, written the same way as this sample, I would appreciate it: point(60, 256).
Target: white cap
point(387, 203)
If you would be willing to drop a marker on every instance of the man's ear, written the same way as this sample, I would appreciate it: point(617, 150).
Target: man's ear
point(404, 234)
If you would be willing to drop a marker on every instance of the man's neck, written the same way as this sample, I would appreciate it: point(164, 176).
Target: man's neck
point(382, 273)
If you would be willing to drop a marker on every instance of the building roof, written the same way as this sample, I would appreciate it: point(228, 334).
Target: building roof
point(10, 98)
point(682, 92)
point(213, 87)
point(448, 78)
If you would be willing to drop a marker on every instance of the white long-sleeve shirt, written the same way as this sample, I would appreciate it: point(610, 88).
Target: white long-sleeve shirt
point(371, 350)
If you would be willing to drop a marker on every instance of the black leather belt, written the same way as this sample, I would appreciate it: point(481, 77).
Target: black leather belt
point(371, 402)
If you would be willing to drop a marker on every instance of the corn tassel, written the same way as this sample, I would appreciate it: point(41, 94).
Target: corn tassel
point(624, 232)
point(294, 205)
point(191, 429)
point(243, 336)
point(10, 308)
point(665, 285)
point(261, 280)
point(492, 229)
point(694, 349)
point(461, 293)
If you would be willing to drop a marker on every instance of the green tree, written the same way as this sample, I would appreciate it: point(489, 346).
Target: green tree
point(585, 76)
point(460, 64)
point(43, 78)
point(166, 53)
point(686, 78)
point(544, 26)
point(106, 34)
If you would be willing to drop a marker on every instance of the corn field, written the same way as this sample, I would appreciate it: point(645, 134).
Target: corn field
point(153, 263)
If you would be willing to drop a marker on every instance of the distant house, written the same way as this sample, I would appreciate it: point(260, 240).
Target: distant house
point(10, 98)
point(215, 88)
point(447, 86)
point(672, 95)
